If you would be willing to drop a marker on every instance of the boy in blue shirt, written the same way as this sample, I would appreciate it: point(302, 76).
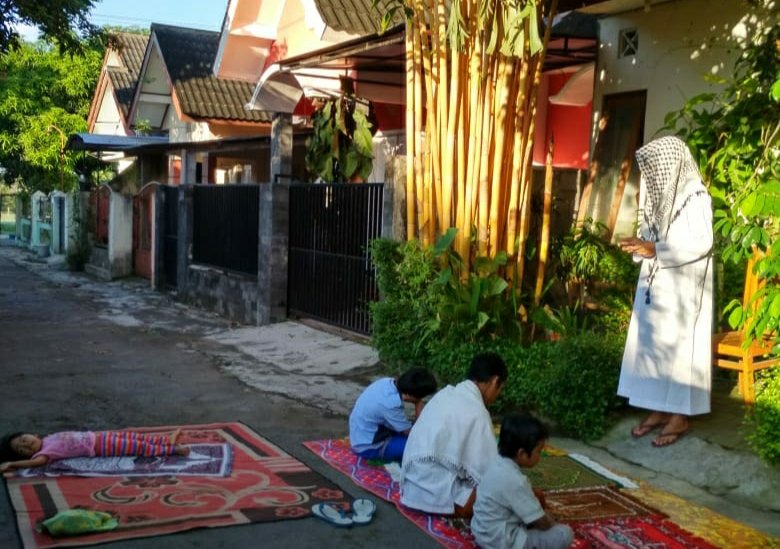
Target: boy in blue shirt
point(378, 426)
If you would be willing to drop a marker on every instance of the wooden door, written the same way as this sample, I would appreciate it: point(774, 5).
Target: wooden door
point(613, 170)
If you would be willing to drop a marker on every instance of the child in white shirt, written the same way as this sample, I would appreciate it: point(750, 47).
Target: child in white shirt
point(507, 512)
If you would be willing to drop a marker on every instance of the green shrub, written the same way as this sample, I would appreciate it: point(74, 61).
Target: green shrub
point(571, 383)
point(425, 319)
point(578, 387)
point(405, 275)
point(765, 439)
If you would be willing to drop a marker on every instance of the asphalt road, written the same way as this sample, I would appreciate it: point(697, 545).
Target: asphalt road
point(65, 367)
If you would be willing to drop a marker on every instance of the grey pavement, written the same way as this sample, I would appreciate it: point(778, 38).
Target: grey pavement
point(84, 353)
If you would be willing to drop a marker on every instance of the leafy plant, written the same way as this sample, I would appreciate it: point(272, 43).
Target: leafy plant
point(405, 275)
point(480, 305)
point(340, 147)
point(765, 418)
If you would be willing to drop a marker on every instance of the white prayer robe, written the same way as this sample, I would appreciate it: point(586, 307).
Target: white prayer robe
point(450, 447)
point(667, 360)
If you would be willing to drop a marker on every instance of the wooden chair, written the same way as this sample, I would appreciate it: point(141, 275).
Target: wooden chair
point(727, 348)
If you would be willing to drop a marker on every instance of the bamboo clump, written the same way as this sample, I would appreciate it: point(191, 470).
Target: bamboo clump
point(473, 71)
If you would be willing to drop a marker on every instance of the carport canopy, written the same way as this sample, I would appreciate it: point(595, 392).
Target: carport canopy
point(376, 65)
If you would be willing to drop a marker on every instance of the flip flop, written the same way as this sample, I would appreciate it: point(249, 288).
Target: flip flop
point(332, 513)
point(672, 438)
point(644, 429)
point(363, 511)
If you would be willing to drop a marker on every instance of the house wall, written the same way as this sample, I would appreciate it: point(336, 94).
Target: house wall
point(676, 51)
point(120, 236)
point(680, 43)
point(109, 117)
point(231, 295)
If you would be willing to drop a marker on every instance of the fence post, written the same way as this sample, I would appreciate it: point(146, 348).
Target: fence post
point(274, 216)
point(159, 237)
point(184, 241)
point(281, 145)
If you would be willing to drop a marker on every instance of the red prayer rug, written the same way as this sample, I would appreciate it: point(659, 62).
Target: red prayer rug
point(265, 484)
point(608, 518)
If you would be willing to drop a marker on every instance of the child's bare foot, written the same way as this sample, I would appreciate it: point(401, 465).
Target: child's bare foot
point(182, 450)
point(175, 436)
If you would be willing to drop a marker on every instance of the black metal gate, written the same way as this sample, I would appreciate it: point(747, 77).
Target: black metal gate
point(170, 235)
point(331, 277)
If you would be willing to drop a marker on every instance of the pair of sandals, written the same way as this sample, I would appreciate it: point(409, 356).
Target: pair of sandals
point(362, 513)
point(663, 439)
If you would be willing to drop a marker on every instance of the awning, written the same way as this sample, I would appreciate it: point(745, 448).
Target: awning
point(110, 143)
point(375, 63)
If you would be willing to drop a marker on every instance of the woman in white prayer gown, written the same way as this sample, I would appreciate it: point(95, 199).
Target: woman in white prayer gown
point(666, 364)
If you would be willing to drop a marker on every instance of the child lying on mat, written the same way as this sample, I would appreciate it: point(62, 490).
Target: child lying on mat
point(21, 450)
point(378, 427)
point(507, 512)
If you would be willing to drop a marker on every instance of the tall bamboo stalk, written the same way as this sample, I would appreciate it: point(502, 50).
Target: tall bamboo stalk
point(544, 238)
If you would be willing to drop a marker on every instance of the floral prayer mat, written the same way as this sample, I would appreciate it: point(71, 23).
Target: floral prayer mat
point(635, 522)
point(205, 460)
point(265, 484)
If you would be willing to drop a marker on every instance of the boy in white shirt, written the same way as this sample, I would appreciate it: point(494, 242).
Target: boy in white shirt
point(507, 512)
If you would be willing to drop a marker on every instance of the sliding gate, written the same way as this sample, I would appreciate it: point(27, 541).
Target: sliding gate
point(331, 277)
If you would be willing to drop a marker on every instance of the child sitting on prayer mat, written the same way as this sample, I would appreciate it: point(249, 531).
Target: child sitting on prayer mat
point(21, 450)
point(378, 426)
point(507, 512)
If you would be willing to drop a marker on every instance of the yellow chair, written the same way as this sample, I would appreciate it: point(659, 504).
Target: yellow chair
point(727, 347)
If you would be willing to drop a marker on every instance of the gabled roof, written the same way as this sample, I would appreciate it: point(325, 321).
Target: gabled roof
point(353, 16)
point(359, 17)
point(130, 49)
point(189, 56)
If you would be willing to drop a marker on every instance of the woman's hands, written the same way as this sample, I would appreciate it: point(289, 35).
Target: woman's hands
point(634, 245)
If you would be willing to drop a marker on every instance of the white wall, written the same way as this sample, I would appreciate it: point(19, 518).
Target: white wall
point(676, 50)
point(120, 235)
point(679, 44)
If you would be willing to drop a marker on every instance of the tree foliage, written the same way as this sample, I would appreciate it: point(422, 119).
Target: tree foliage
point(736, 136)
point(58, 20)
point(44, 97)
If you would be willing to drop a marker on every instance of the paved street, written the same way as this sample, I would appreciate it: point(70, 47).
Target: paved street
point(77, 353)
point(85, 355)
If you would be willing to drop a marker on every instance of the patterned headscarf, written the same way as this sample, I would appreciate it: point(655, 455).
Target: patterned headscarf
point(665, 163)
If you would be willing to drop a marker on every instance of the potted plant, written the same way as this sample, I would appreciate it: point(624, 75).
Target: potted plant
point(340, 147)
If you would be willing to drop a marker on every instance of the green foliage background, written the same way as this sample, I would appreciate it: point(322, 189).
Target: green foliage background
point(44, 97)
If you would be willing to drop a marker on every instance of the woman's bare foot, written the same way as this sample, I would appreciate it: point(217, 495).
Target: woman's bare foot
point(182, 450)
point(676, 427)
point(175, 436)
point(650, 423)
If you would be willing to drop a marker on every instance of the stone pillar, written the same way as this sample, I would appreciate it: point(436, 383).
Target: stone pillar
point(394, 201)
point(281, 147)
point(188, 166)
point(272, 253)
point(184, 240)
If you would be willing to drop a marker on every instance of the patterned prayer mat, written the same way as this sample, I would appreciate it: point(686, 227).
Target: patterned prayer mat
point(205, 460)
point(633, 523)
point(266, 484)
point(594, 503)
point(648, 532)
point(715, 528)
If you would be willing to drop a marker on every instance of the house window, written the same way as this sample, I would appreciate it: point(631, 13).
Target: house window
point(628, 43)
